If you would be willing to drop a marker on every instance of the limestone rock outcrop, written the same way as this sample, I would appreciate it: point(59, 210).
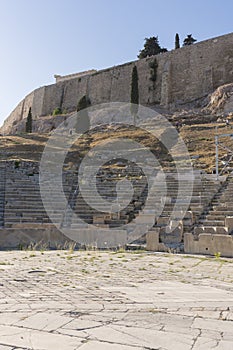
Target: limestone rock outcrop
point(221, 101)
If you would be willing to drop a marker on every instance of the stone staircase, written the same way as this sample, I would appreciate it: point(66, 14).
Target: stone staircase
point(23, 204)
point(23, 207)
point(203, 191)
point(171, 232)
point(213, 233)
point(216, 220)
point(106, 184)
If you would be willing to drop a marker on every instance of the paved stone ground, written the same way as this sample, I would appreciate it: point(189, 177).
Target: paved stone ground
point(115, 301)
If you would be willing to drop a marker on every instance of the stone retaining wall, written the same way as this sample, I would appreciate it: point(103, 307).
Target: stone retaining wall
point(183, 75)
point(209, 244)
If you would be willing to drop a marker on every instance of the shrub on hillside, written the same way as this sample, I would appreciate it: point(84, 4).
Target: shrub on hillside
point(57, 111)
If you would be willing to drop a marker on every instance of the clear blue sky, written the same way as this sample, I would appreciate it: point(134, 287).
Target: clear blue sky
point(40, 38)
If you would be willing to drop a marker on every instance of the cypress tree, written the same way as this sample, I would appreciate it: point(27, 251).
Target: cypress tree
point(83, 120)
point(28, 127)
point(134, 93)
point(177, 41)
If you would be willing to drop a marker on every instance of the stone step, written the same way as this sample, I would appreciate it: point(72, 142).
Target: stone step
point(211, 230)
point(214, 216)
point(212, 222)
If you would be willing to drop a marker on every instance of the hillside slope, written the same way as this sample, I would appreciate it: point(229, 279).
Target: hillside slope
point(198, 137)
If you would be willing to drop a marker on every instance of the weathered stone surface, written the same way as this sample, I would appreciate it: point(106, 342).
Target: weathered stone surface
point(229, 223)
point(114, 300)
point(209, 68)
point(221, 101)
point(24, 236)
point(172, 234)
point(209, 244)
point(44, 321)
point(27, 338)
point(213, 325)
point(163, 221)
point(152, 240)
point(212, 230)
point(103, 238)
point(108, 346)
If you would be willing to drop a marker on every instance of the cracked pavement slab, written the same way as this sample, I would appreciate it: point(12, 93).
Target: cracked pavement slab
point(114, 300)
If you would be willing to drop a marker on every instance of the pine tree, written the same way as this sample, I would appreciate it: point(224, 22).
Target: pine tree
point(134, 99)
point(177, 41)
point(189, 40)
point(151, 47)
point(28, 127)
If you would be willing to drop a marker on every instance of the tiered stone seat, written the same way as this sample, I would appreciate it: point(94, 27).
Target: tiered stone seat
point(204, 190)
point(23, 204)
point(214, 220)
point(24, 207)
point(213, 233)
point(106, 187)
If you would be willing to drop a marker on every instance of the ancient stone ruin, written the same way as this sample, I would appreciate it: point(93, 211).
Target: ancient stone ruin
point(185, 77)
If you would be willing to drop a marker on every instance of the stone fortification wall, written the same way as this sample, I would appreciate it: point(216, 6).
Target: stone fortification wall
point(183, 76)
point(60, 78)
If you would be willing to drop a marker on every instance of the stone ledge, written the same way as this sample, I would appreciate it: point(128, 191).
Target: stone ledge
point(13, 238)
point(209, 244)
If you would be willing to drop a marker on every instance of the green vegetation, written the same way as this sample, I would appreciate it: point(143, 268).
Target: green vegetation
point(153, 72)
point(28, 127)
point(189, 40)
point(83, 103)
point(83, 120)
point(217, 255)
point(57, 111)
point(134, 99)
point(177, 41)
point(17, 164)
point(151, 48)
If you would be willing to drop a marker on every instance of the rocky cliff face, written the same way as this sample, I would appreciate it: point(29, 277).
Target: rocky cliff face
point(183, 76)
point(39, 125)
point(221, 101)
